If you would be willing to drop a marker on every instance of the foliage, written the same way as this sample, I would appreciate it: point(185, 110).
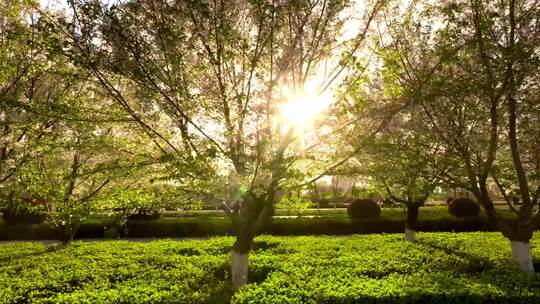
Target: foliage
point(479, 101)
point(61, 139)
point(363, 209)
point(131, 201)
point(23, 205)
point(459, 80)
point(123, 203)
point(69, 179)
point(462, 207)
point(293, 203)
point(29, 90)
point(284, 270)
point(205, 80)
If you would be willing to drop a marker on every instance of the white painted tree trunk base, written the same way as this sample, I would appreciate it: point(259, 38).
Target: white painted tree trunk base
point(239, 269)
point(410, 234)
point(521, 252)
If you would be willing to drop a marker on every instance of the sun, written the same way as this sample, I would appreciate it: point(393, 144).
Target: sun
point(301, 109)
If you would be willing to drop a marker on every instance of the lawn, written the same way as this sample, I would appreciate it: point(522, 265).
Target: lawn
point(436, 268)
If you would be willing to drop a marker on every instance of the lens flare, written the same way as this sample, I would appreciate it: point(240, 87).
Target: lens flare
point(301, 109)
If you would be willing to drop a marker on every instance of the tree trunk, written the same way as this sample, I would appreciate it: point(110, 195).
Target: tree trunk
point(521, 253)
point(412, 220)
point(239, 268)
point(409, 234)
point(519, 233)
point(240, 259)
point(69, 230)
point(67, 235)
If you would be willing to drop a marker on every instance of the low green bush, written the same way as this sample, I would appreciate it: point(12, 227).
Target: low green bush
point(363, 209)
point(436, 268)
point(322, 202)
point(463, 207)
point(115, 272)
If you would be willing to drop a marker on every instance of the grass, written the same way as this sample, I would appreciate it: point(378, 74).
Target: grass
point(437, 268)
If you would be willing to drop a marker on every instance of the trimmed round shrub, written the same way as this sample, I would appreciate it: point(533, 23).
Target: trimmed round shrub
point(363, 209)
point(463, 207)
point(322, 202)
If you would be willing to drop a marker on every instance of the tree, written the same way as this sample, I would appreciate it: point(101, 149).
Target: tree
point(81, 158)
point(401, 162)
point(28, 91)
point(216, 70)
point(471, 76)
point(492, 73)
point(56, 128)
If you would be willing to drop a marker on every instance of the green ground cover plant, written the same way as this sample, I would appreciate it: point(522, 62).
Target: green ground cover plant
point(435, 268)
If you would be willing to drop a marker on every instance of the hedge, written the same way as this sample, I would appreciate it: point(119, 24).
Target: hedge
point(432, 219)
point(205, 227)
point(436, 268)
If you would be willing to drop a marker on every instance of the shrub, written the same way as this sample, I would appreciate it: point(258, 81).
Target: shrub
point(463, 207)
point(322, 202)
point(388, 203)
point(28, 218)
point(212, 226)
point(111, 233)
point(363, 209)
